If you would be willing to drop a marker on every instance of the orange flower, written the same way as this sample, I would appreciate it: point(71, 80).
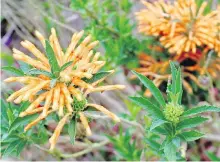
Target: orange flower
point(159, 71)
point(67, 94)
point(182, 26)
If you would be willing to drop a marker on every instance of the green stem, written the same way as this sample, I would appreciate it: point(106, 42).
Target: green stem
point(102, 25)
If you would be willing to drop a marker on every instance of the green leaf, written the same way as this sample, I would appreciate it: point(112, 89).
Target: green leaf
point(13, 70)
point(199, 3)
point(208, 8)
point(170, 151)
point(153, 144)
point(173, 72)
point(201, 109)
point(21, 121)
point(24, 66)
point(11, 147)
point(178, 81)
point(212, 156)
point(157, 123)
point(4, 110)
point(7, 58)
point(191, 122)
point(53, 82)
point(191, 135)
point(153, 89)
point(97, 76)
point(21, 147)
point(160, 130)
point(55, 68)
point(66, 65)
point(154, 111)
point(24, 106)
point(39, 72)
point(10, 115)
point(179, 89)
point(72, 130)
point(176, 141)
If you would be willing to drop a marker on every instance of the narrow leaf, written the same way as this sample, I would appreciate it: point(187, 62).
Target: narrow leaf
point(212, 156)
point(97, 76)
point(153, 89)
point(191, 122)
point(153, 144)
point(24, 66)
point(24, 106)
point(157, 123)
point(39, 72)
point(52, 58)
point(148, 106)
point(11, 147)
point(21, 147)
point(72, 130)
point(160, 130)
point(4, 110)
point(179, 89)
point(173, 72)
point(66, 65)
point(191, 135)
point(53, 82)
point(21, 121)
point(13, 70)
point(170, 151)
point(201, 109)
point(176, 141)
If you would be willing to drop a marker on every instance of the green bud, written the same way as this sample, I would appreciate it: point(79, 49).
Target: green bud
point(79, 105)
point(172, 112)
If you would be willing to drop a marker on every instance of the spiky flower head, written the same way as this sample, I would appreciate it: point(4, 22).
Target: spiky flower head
point(181, 26)
point(173, 112)
point(159, 71)
point(60, 80)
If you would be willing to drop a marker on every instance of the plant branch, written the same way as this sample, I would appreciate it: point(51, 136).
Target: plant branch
point(133, 123)
point(89, 149)
point(92, 15)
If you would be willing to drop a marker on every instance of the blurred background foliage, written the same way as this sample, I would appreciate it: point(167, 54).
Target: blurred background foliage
point(113, 23)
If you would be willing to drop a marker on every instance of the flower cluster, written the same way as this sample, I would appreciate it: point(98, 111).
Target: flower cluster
point(159, 71)
point(66, 90)
point(173, 111)
point(181, 26)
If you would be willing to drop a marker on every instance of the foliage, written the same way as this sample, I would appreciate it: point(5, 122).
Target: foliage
point(112, 29)
point(13, 139)
point(125, 146)
point(159, 120)
point(170, 119)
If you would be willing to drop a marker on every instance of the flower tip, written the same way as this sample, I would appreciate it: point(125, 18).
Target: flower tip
point(88, 131)
point(53, 30)
point(80, 34)
point(111, 71)
point(117, 119)
point(22, 114)
point(26, 129)
point(120, 86)
point(14, 50)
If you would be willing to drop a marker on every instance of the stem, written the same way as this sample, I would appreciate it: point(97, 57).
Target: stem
point(133, 123)
point(92, 15)
point(89, 149)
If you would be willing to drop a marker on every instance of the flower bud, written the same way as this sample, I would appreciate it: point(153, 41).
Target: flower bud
point(172, 112)
point(79, 105)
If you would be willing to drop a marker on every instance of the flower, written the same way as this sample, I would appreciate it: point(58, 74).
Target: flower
point(62, 85)
point(159, 71)
point(181, 26)
point(173, 112)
